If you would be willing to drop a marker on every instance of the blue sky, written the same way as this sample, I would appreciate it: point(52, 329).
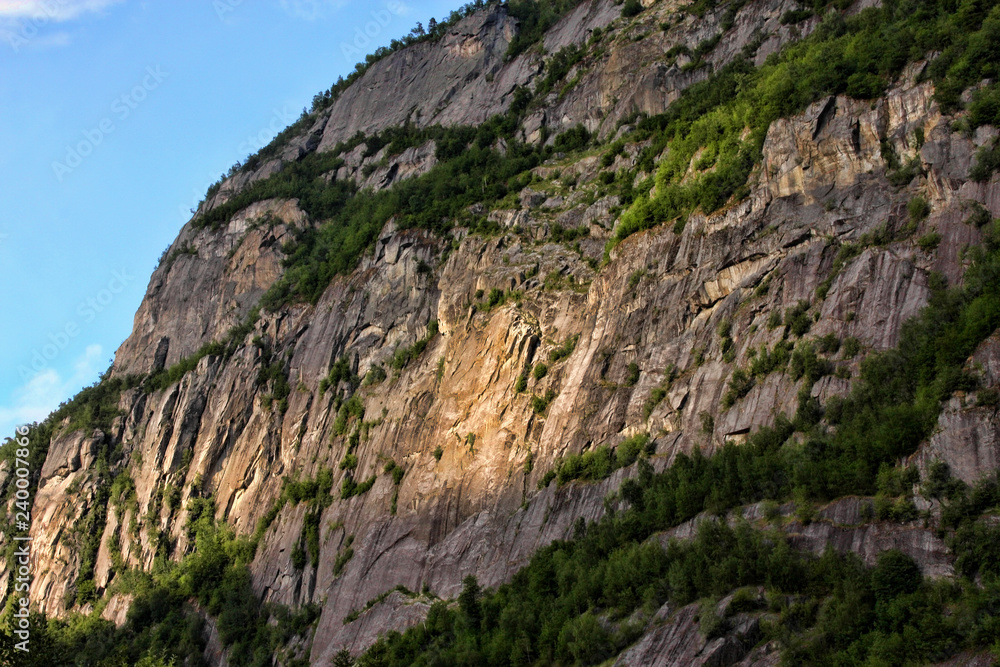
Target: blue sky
point(115, 116)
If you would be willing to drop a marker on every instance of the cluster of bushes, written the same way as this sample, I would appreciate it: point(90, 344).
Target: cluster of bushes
point(340, 371)
point(797, 320)
point(350, 488)
point(631, 8)
point(496, 297)
point(352, 408)
point(539, 404)
point(574, 139)
point(565, 349)
point(740, 384)
point(600, 462)
point(316, 494)
point(766, 361)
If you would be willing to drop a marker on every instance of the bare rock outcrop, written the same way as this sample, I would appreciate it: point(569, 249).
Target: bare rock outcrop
point(968, 433)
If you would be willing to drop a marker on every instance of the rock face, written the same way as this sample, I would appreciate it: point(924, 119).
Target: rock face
point(471, 445)
point(460, 80)
point(679, 641)
point(968, 434)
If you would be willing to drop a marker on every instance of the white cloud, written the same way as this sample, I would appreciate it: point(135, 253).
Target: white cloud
point(43, 393)
point(23, 23)
point(51, 10)
point(309, 10)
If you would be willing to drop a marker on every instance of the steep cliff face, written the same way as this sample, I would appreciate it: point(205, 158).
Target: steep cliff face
point(479, 313)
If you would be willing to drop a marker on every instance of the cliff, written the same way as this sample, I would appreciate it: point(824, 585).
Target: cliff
point(438, 330)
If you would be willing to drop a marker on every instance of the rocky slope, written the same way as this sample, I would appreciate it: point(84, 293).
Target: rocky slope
point(471, 446)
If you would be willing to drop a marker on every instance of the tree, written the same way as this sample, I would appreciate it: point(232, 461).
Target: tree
point(432, 26)
point(152, 659)
point(468, 601)
point(895, 574)
point(631, 8)
point(343, 659)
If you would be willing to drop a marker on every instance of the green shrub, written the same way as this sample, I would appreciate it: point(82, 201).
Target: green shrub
point(728, 350)
point(767, 361)
point(535, 17)
point(573, 139)
point(339, 372)
point(828, 344)
point(344, 557)
point(630, 449)
point(918, 209)
point(631, 8)
point(375, 375)
point(710, 623)
point(797, 319)
point(979, 217)
point(851, 347)
point(895, 574)
point(988, 397)
point(632, 374)
point(929, 242)
point(404, 355)
point(793, 16)
point(349, 488)
point(740, 385)
point(539, 404)
point(655, 398)
point(987, 162)
point(707, 423)
point(540, 371)
point(564, 350)
point(805, 363)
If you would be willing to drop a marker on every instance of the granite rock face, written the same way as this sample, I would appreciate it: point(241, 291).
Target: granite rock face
point(460, 80)
point(472, 447)
point(968, 433)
